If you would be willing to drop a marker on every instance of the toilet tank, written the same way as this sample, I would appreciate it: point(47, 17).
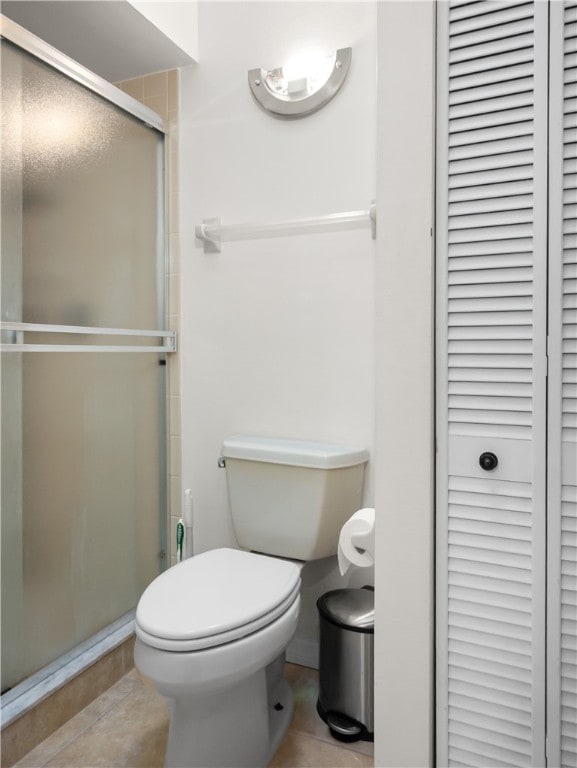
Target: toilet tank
point(290, 498)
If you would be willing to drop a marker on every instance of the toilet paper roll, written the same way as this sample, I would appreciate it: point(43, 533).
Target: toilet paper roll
point(357, 541)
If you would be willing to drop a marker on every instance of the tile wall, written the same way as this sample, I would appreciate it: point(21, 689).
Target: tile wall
point(160, 92)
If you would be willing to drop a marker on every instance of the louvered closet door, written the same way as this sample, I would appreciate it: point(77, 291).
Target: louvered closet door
point(491, 381)
point(562, 494)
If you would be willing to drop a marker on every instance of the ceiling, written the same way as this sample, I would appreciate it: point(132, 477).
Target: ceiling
point(109, 37)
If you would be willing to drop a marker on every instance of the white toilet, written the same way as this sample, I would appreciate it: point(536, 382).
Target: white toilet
point(212, 631)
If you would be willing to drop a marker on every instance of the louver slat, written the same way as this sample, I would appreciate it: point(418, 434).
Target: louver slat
point(468, 9)
point(485, 147)
point(476, 274)
point(492, 90)
point(492, 17)
point(492, 34)
point(491, 222)
point(489, 63)
point(515, 100)
point(488, 694)
point(491, 77)
point(479, 742)
point(498, 204)
point(490, 219)
point(505, 119)
point(515, 42)
point(502, 689)
point(488, 192)
point(491, 332)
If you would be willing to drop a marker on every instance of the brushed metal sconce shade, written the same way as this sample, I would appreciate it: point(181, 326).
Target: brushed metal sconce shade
point(295, 105)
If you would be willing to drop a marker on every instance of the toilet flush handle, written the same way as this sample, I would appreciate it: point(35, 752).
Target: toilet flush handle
point(222, 462)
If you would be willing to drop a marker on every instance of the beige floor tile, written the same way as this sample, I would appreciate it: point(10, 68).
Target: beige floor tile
point(127, 726)
point(131, 734)
point(76, 726)
point(301, 751)
point(38, 724)
point(305, 685)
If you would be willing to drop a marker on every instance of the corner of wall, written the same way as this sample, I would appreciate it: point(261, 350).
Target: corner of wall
point(404, 573)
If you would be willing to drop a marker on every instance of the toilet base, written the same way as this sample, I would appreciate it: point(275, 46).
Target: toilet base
point(241, 727)
point(280, 713)
point(229, 704)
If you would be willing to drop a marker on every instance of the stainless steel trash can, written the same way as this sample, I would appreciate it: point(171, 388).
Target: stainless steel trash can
point(346, 687)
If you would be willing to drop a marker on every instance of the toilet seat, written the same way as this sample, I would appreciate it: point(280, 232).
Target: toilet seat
point(215, 598)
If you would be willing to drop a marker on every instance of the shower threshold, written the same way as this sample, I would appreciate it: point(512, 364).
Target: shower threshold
point(42, 684)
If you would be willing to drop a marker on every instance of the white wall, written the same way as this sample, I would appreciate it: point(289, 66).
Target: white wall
point(404, 682)
point(177, 19)
point(277, 335)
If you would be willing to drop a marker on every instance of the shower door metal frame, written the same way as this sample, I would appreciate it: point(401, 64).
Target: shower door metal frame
point(49, 679)
point(57, 60)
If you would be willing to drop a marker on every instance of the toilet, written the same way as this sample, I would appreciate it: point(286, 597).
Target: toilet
point(213, 630)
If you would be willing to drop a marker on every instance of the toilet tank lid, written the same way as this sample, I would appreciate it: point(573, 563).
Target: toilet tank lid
point(296, 453)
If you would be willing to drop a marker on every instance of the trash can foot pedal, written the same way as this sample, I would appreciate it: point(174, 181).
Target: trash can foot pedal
point(343, 727)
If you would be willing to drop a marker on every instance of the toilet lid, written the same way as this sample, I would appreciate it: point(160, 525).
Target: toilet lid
point(214, 598)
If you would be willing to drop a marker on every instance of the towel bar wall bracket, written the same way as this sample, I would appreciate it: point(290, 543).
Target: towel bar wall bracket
point(211, 243)
point(373, 219)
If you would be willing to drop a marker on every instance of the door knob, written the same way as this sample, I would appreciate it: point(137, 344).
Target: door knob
point(488, 461)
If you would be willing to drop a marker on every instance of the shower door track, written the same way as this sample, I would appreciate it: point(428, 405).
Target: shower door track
point(42, 684)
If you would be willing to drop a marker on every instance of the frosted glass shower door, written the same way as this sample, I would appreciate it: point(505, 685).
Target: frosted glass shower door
point(82, 432)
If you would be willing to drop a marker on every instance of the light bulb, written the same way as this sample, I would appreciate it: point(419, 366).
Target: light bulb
point(311, 66)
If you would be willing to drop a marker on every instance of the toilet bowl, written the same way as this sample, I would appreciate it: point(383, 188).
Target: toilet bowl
point(211, 635)
point(213, 630)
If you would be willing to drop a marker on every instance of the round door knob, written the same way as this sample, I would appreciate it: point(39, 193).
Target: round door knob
point(488, 461)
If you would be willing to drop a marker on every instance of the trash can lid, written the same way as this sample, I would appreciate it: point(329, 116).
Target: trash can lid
point(352, 609)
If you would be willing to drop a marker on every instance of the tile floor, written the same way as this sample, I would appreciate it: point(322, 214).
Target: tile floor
point(126, 727)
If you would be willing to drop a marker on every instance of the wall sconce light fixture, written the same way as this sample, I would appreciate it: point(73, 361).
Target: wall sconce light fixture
point(301, 86)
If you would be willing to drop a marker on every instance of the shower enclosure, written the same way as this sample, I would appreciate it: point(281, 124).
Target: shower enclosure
point(83, 354)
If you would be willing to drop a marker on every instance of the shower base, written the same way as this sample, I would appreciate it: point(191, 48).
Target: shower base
point(42, 703)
